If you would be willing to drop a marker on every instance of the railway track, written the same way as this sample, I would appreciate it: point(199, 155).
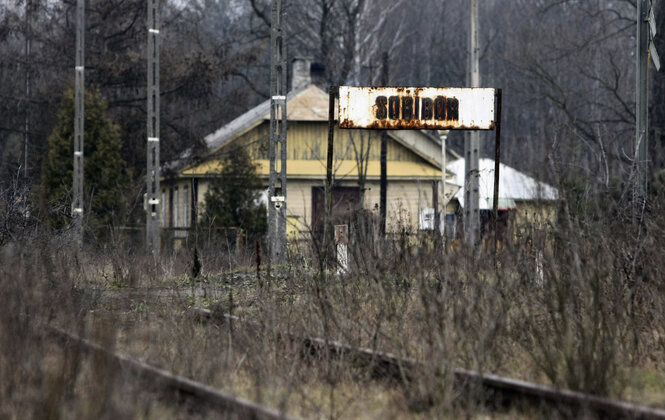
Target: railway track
point(497, 390)
point(163, 380)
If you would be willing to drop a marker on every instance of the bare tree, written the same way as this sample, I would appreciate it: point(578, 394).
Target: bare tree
point(361, 143)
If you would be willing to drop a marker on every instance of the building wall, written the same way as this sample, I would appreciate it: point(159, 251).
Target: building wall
point(534, 214)
point(309, 141)
point(299, 203)
point(405, 200)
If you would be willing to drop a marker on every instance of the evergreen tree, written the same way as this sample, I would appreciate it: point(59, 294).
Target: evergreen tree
point(105, 176)
point(233, 197)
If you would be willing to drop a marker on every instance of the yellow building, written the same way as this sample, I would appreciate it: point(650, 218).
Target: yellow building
point(413, 168)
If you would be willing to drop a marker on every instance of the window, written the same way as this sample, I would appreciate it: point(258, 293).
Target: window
point(345, 202)
point(162, 205)
point(176, 204)
point(451, 225)
point(185, 206)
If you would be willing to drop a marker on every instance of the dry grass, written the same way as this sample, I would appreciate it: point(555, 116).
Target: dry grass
point(582, 309)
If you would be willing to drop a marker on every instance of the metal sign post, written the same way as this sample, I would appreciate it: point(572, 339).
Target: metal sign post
point(497, 166)
point(79, 118)
point(277, 186)
point(383, 182)
point(153, 205)
point(328, 223)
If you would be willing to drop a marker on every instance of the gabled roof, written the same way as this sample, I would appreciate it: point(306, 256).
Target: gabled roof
point(513, 184)
point(308, 104)
point(311, 104)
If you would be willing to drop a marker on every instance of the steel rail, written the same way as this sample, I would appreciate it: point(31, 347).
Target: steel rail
point(503, 390)
point(165, 380)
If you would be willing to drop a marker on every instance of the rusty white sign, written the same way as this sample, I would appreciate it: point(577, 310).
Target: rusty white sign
point(403, 108)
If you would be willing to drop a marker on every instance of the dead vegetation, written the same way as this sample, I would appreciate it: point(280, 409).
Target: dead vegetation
point(581, 308)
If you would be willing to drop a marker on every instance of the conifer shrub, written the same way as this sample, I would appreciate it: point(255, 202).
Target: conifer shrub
point(105, 176)
point(233, 198)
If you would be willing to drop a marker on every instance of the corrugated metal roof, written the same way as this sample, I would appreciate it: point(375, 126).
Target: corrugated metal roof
point(513, 184)
point(316, 169)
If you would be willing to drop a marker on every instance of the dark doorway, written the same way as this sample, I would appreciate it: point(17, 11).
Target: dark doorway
point(345, 205)
point(504, 223)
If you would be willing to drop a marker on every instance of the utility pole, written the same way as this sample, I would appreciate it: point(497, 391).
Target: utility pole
point(27, 69)
point(383, 183)
point(277, 186)
point(646, 32)
point(472, 145)
point(79, 119)
point(153, 205)
point(328, 237)
point(642, 112)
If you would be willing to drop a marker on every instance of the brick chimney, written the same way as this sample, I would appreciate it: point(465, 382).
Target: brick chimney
point(301, 76)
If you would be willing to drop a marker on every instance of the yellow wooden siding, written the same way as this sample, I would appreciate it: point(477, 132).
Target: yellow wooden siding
point(256, 140)
point(306, 150)
point(405, 200)
point(410, 176)
point(299, 202)
point(538, 214)
point(316, 169)
point(309, 140)
point(298, 207)
point(293, 227)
